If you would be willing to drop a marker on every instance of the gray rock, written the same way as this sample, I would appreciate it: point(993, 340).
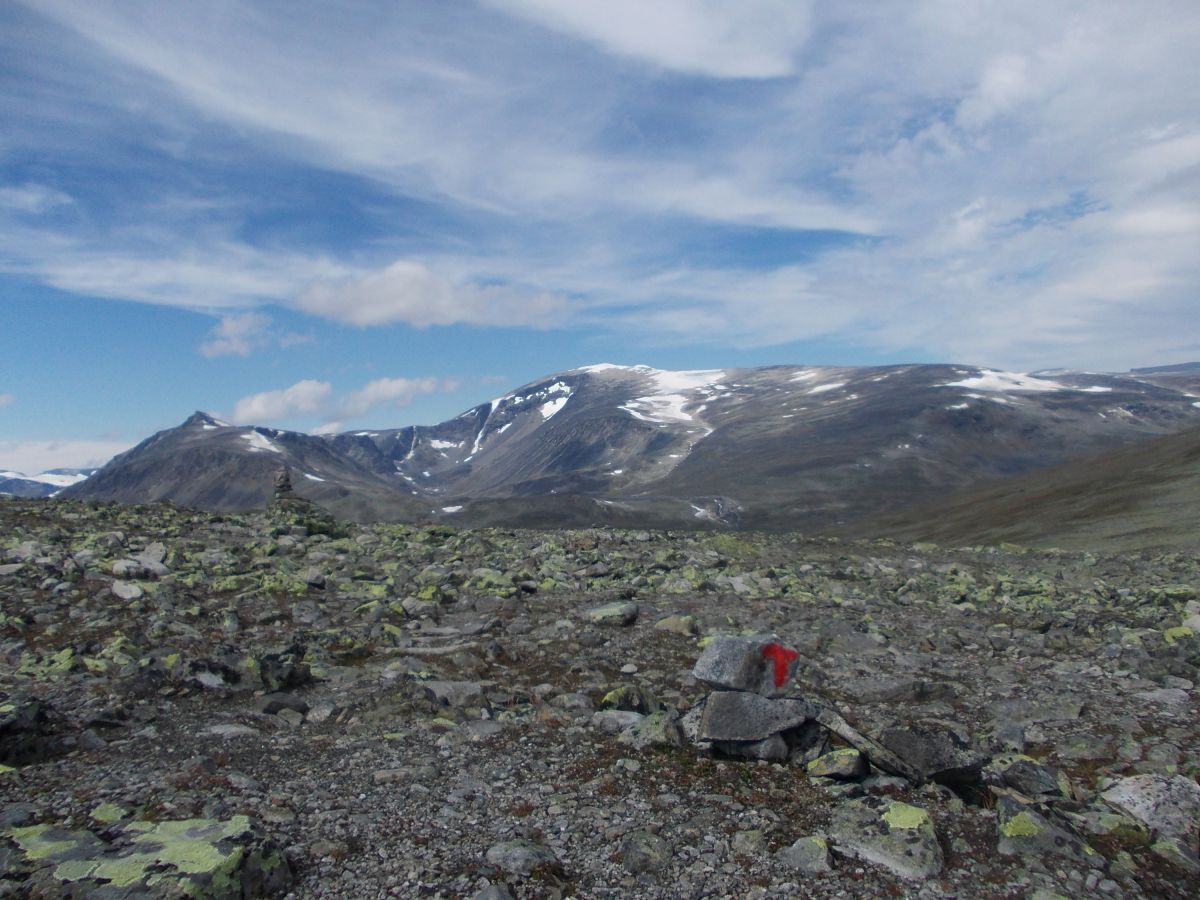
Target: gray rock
point(494, 892)
point(521, 857)
point(739, 716)
point(314, 577)
point(771, 749)
point(621, 613)
point(745, 664)
point(274, 704)
point(936, 750)
point(644, 851)
point(1025, 775)
point(614, 721)
point(1167, 804)
point(658, 730)
point(457, 694)
point(127, 590)
point(1029, 830)
point(808, 854)
point(888, 833)
point(685, 625)
point(847, 763)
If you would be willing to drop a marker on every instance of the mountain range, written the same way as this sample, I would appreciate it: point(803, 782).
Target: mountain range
point(44, 484)
point(781, 447)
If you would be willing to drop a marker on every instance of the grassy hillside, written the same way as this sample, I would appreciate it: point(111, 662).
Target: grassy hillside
point(1143, 496)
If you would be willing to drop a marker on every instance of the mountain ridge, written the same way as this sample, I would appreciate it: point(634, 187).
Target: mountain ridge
point(777, 447)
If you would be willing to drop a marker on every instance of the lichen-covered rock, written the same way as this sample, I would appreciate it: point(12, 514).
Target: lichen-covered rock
point(888, 833)
point(658, 730)
point(189, 857)
point(632, 698)
point(846, 763)
point(1031, 830)
point(1168, 804)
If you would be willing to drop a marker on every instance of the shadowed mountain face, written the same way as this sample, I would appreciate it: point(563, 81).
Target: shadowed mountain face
point(780, 447)
point(1142, 496)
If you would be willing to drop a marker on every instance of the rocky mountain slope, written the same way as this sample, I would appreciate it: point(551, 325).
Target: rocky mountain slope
point(235, 705)
point(779, 447)
point(1147, 495)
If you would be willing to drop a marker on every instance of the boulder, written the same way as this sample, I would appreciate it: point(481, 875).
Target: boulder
point(1168, 804)
point(1031, 830)
point(935, 750)
point(739, 716)
point(888, 833)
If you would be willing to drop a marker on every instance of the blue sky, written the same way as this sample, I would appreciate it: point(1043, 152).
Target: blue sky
point(371, 213)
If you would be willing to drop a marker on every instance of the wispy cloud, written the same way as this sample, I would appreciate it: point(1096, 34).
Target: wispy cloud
point(409, 292)
point(748, 39)
point(32, 198)
point(242, 334)
point(317, 399)
point(1017, 184)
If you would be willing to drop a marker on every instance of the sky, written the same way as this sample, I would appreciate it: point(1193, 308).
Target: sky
point(383, 212)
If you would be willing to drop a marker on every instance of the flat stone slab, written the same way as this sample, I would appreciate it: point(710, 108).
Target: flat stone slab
point(1167, 804)
point(739, 716)
point(1026, 829)
point(888, 833)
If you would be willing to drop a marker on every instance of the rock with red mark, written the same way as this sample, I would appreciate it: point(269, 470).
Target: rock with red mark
point(761, 664)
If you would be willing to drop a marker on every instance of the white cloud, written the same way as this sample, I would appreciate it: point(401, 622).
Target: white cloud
point(394, 392)
point(303, 397)
point(409, 292)
point(242, 334)
point(32, 198)
point(34, 457)
point(1028, 175)
point(6, 399)
point(317, 398)
point(237, 335)
point(747, 39)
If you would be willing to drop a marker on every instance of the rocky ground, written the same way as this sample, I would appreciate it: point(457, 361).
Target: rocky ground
point(225, 705)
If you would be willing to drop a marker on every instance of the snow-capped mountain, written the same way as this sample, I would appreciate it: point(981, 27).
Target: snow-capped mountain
point(783, 446)
point(44, 484)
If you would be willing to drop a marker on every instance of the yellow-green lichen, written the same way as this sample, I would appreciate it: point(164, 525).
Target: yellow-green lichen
point(108, 813)
point(1021, 825)
point(37, 843)
point(1171, 635)
point(902, 815)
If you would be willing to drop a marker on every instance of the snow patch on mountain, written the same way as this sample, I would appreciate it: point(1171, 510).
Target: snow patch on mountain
point(674, 390)
point(437, 444)
point(259, 443)
point(1004, 382)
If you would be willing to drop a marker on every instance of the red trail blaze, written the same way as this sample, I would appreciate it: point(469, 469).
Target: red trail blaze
point(783, 657)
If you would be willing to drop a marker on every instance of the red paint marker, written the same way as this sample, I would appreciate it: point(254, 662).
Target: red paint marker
point(783, 657)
